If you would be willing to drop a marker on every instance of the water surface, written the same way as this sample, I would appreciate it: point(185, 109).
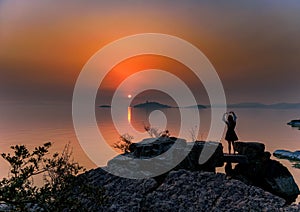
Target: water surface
point(34, 124)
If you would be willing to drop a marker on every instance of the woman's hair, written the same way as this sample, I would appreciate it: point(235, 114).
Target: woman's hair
point(230, 118)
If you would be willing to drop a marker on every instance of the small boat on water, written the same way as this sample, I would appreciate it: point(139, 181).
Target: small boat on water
point(294, 123)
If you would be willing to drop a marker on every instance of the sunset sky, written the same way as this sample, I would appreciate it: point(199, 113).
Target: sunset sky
point(253, 45)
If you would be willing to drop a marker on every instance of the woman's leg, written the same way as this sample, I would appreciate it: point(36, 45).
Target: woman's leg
point(233, 147)
point(229, 147)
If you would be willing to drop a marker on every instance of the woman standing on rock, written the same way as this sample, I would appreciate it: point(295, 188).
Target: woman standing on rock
point(231, 137)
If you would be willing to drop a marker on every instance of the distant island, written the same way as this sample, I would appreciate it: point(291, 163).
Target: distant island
point(105, 106)
point(198, 106)
point(152, 105)
point(257, 105)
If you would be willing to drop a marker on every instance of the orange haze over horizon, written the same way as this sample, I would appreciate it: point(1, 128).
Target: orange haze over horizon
point(253, 45)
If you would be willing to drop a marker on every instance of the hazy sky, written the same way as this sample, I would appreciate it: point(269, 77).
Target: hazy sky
point(253, 45)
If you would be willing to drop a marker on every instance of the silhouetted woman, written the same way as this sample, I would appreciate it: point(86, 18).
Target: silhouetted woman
point(231, 137)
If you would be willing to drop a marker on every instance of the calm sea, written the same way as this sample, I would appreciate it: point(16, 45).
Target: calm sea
point(34, 124)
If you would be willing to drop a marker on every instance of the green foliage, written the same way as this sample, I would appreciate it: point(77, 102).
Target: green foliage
point(124, 142)
point(62, 189)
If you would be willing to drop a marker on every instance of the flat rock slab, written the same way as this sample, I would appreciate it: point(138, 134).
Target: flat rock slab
point(236, 159)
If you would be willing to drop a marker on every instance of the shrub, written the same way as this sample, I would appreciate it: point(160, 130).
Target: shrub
point(62, 189)
point(155, 132)
point(124, 142)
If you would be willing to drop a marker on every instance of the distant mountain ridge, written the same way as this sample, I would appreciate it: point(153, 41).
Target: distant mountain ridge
point(252, 105)
point(266, 106)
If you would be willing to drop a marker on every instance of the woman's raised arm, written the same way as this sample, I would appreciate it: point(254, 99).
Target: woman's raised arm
point(234, 116)
point(224, 117)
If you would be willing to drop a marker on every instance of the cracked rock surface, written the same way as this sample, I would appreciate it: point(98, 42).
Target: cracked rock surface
point(184, 190)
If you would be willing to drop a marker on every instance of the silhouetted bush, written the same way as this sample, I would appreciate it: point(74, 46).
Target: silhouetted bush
point(62, 189)
point(124, 142)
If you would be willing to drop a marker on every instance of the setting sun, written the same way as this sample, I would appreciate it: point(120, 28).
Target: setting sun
point(129, 96)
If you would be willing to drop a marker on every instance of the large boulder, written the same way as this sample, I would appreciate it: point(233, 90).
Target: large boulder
point(149, 158)
point(216, 159)
point(279, 180)
point(152, 147)
point(264, 172)
point(166, 153)
point(252, 150)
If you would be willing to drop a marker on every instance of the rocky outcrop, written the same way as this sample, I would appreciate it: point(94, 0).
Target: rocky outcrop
point(285, 154)
point(169, 153)
point(254, 164)
point(183, 190)
point(152, 147)
point(263, 172)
